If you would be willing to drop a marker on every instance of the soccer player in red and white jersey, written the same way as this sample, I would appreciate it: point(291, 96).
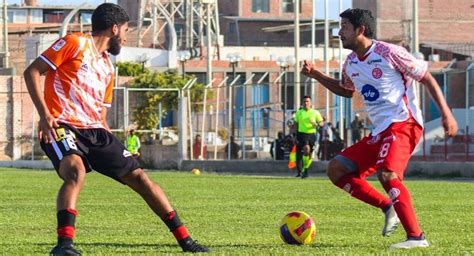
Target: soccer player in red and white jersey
point(384, 74)
point(73, 129)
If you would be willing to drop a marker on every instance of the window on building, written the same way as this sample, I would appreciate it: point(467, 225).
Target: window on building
point(289, 6)
point(36, 16)
point(232, 27)
point(260, 6)
point(17, 16)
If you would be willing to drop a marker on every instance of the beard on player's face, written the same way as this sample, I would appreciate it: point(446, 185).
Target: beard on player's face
point(114, 45)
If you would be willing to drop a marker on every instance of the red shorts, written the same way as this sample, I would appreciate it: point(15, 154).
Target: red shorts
point(389, 150)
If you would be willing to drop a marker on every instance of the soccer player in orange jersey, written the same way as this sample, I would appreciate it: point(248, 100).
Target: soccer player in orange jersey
point(73, 129)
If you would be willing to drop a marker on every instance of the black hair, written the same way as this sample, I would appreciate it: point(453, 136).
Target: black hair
point(106, 15)
point(360, 17)
point(306, 97)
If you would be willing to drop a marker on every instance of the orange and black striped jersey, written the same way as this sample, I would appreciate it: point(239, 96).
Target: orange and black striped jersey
point(80, 81)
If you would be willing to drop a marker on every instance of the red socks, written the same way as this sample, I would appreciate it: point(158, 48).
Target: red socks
point(362, 190)
point(66, 225)
point(176, 227)
point(401, 200)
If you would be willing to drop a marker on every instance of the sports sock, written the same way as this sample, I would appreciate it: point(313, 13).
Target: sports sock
point(307, 161)
point(176, 227)
point(66, 225)
point(362, 190)
point(401, 200)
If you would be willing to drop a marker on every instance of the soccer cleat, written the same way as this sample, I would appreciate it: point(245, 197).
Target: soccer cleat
point(298, 174)
point(190, 245)
point(304, 174)
point(64, 250)
point(391, 221)
point(411, 242)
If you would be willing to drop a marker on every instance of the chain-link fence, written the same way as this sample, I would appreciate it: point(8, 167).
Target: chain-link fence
point(251, 111)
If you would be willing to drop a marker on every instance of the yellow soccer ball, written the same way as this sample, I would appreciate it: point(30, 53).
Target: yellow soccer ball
point(297, 228)
point(196, 171)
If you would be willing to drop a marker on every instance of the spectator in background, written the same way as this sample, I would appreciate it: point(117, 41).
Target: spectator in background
point(356, 128)
point(132, 143)
point(277, 148)
point(197, 148)
point(234, 149)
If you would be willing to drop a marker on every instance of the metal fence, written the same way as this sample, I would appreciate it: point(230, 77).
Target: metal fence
point(252, 110)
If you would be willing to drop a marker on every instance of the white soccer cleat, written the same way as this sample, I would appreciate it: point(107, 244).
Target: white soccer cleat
point(391, 221)
point(411, 243)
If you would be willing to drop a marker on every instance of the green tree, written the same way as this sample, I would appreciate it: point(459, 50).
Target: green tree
point(146, 114)
point(128, 68)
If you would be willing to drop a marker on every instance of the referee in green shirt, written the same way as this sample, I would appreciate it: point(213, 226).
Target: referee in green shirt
point(307, 121)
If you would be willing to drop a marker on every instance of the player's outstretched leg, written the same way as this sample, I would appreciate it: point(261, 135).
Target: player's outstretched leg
point(402, 204)
point(156, 199)
point(359, 188)
point(73, 173)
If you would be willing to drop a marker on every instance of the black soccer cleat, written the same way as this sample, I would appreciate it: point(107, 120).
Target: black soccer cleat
point(190, 245)
point(64, 250)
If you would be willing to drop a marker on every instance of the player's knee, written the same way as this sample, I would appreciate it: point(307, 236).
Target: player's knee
point(335, 170)
point(72, 170)
point(384, 175)
point(137, 178)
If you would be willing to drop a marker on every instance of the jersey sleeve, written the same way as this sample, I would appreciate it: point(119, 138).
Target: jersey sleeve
point(61, 50)
point(346, 81)
point(109, 92)
point(407, 64)
point(318, 117)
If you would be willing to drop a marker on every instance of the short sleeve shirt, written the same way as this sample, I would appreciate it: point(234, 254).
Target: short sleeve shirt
point(385, 79)
point(306, 118)
point(80, 81)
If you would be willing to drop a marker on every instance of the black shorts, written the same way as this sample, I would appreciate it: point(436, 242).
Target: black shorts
point(100, 151)
point(304, 139)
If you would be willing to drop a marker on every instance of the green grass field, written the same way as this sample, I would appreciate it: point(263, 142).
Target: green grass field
point(231, 214)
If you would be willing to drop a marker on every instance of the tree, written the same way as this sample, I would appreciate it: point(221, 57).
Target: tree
point(128, 68)
point(146, 114)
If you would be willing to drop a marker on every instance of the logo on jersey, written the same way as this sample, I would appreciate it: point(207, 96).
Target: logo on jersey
point(354, 74)
point(370, 93)
point(83, 69)
point(393, 193)
point(374, 61)
point(126, 153)
point(353, 62)
point(377, 73)
point(375, 139)
point(59, 44)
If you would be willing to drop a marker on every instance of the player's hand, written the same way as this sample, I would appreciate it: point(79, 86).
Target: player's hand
point(450, 125)
point(46, 129)
point(307, 67)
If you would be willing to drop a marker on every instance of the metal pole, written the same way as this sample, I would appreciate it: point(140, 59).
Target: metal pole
point(217, 114)
point(203, 123)
point(5, 35)
point(285, 91)
point(297, 88)
point(139, 23)
point(326, 49)
point(341, 99)
point(467, 115)
point(208, 39)
point(313, 46)
point(415, 45)
point(182, 68)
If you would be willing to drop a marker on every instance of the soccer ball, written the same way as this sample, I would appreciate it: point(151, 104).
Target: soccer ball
point(297, 228)
point(196, 171)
